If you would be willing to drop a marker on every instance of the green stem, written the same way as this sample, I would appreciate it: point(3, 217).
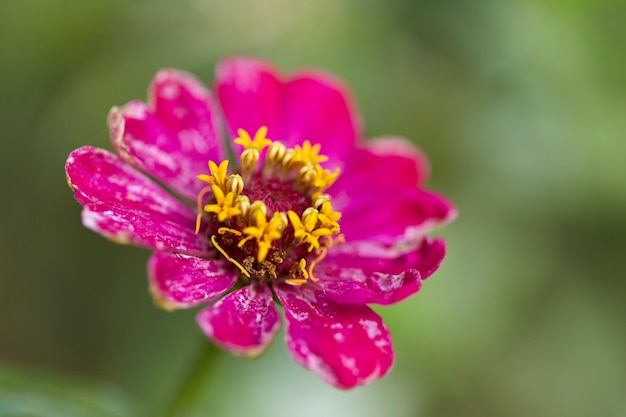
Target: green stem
point(191, 384)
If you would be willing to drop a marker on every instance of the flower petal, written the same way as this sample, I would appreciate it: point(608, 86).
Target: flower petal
point(308, 105)
point(99, 177)
point(128, 224)
point(124, 205)
point(346, 345)
point(364, 273)
point(392, 214)
point(172, 137)
point(182, 281)
point(244, 322)
point(382, 162)
point(251, 96)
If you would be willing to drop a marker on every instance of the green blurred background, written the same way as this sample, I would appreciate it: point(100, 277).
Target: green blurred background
point(521, 107)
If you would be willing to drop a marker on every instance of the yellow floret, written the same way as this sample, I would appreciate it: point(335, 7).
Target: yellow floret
point(224, 206)
point(306, 229)
point(259, 142)
point(309, 154)
point(264, 232)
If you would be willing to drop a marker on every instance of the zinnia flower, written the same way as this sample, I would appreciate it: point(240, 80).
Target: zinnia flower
point(309, 215)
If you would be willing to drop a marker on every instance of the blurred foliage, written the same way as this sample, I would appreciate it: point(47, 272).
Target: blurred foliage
point(520, 106)
point(41, 394)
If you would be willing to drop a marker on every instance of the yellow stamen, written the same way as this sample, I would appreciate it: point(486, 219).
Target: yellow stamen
point(309, 218)
point(255, 232)
point(327, 217)
point(279, 221)
point(224, 206)
point(303, 271)
point(218, 174)
point(224, 230)
point(205, 178)
point(305, 228)
point(276, 153)
point(313, 229)
point(259, 142)
point(302, 265)
point(289, 159)
point(321, 253)
point(307, 175)
point(309, 154)
point(242, 202)
point(324, 178)
point(273, 231)
point(233, 261)
point(264, 248)
point(265, 232)
point(199, 203)
point(248, 159)
point(295, 281)
point(234, 184)
point(256, 205)
point(198, 222)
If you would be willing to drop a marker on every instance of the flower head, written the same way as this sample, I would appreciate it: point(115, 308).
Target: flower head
point(309, 215)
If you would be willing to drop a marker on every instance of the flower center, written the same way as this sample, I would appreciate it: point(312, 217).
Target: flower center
point(271, 218)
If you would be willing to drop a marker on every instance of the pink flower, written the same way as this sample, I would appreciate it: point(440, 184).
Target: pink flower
point(314, 217)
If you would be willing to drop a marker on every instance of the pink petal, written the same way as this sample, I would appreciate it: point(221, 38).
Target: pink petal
point(391, 214)
point(382, 162)
point(182, 281)
point(129, 224)
point(244, 322)
point(364, 273)
point(309, 105)
point(346, 345)
point(124, 205)
point(173, 136)
point(319, 108)
point(251, 96)
point(99, 177)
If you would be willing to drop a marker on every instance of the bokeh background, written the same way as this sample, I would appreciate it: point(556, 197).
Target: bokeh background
point(520, 105)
